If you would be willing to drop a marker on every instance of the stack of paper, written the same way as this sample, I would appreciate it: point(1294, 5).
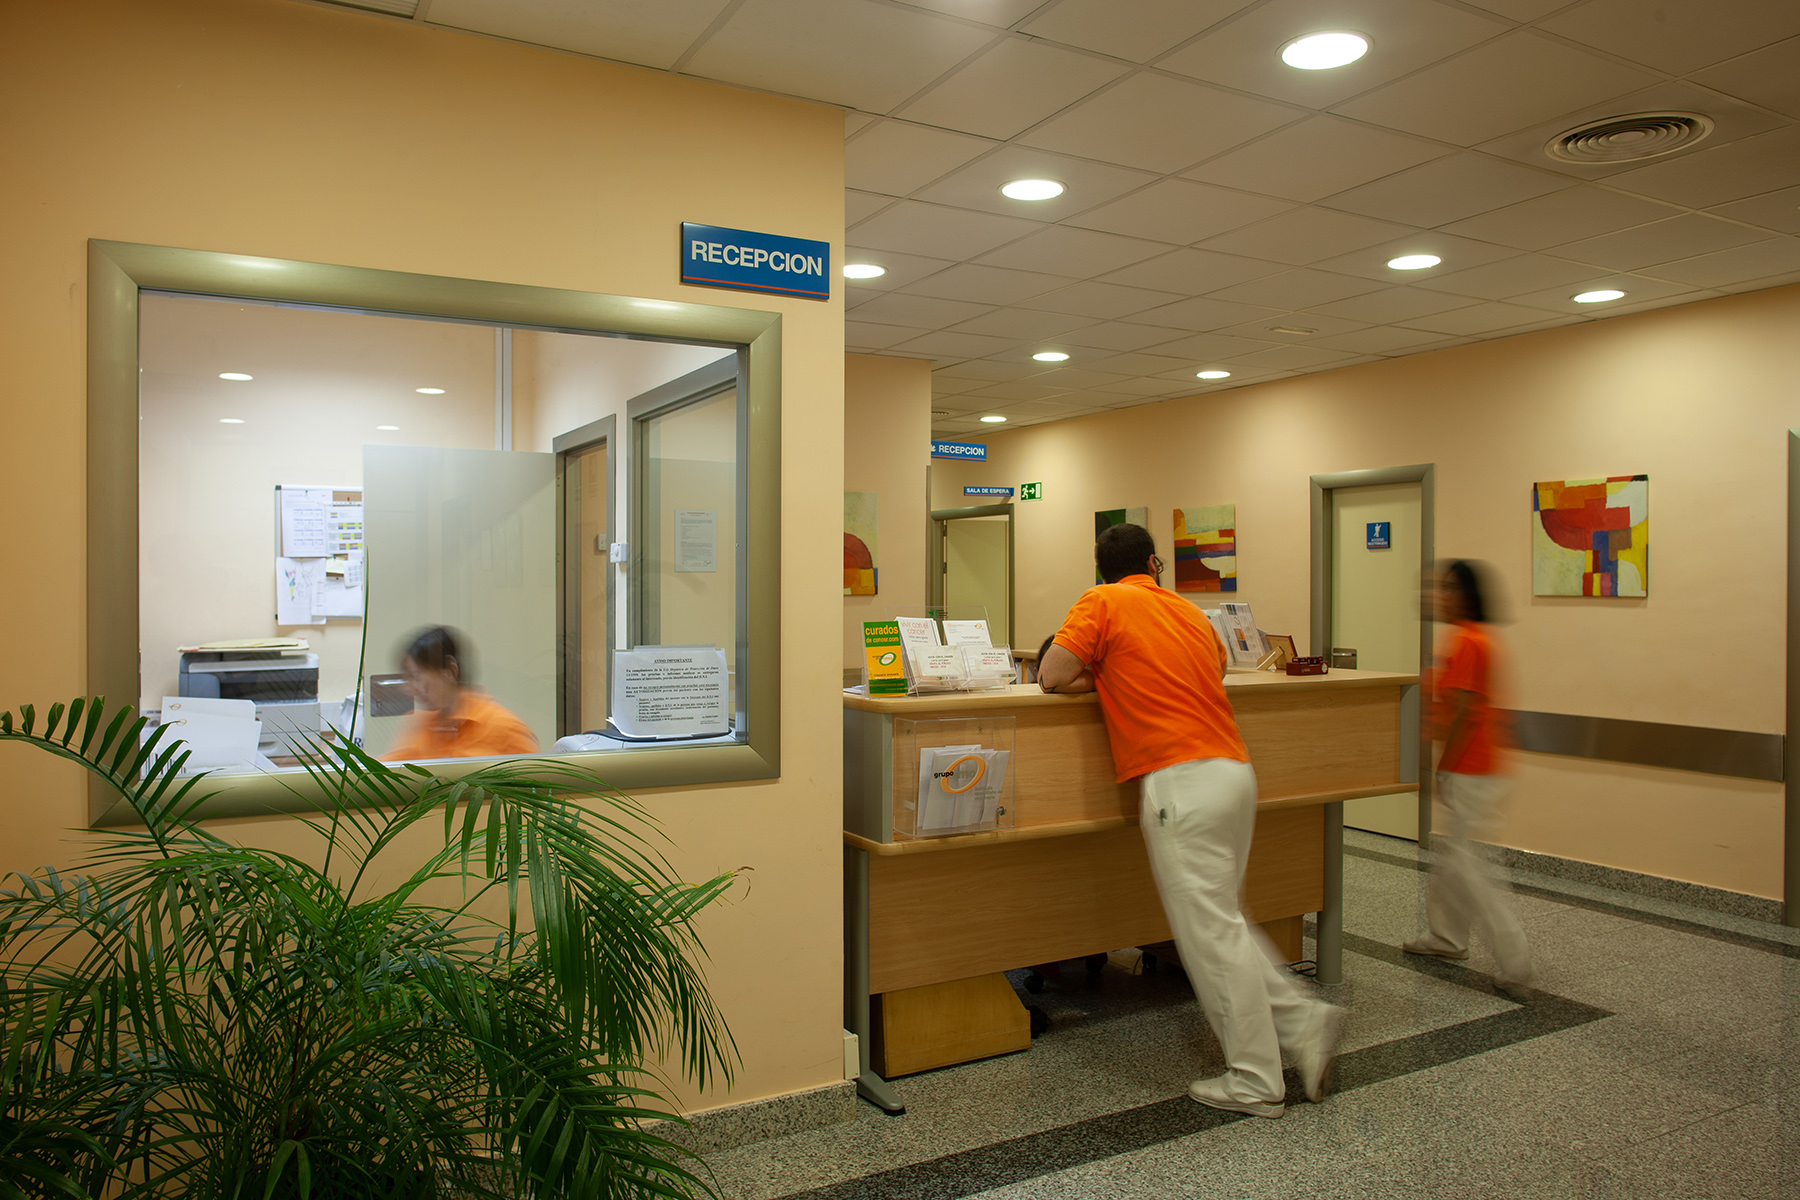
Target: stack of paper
point(217, 733)
point(959, 789)
point(930, 665)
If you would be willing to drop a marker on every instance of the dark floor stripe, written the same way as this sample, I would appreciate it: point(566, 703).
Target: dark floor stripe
point(984, 1168)
point(1748, 941)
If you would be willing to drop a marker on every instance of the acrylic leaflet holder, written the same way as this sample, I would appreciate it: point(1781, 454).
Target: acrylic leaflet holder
point(953, 775)
point(948, 649)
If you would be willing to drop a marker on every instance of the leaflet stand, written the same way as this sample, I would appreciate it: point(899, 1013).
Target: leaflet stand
point(955, 774)
point(943, 649)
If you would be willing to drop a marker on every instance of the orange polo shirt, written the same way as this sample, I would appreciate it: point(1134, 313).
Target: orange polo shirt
point(1159, 669)
point(478, 728)
point(1470, 666)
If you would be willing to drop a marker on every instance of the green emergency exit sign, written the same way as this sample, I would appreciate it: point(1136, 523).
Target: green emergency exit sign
point(1031, 491)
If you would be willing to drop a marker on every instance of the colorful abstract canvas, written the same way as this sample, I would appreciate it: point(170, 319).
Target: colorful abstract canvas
point(1206, 548)
point(860, 520)
point(1591, 537)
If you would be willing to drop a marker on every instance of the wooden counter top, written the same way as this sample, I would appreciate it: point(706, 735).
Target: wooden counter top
point(1029, 695)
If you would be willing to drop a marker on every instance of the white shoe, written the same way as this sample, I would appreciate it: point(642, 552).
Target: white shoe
point(1434, 949)
point(1213, 1093)
point(1317, 1052)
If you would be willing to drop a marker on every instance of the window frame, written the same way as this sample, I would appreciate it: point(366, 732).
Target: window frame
point(119, 271)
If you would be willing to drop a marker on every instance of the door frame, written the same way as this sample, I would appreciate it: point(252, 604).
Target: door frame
point(937, 564)
point(1322, 547)
point(569, 550)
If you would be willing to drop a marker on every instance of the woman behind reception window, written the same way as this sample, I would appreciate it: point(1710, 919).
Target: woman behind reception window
point(453, 719)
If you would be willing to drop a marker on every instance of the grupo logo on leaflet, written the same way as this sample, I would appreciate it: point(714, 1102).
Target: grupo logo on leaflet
point(712, 256)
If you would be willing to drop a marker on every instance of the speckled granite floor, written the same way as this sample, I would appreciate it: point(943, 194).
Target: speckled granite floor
point(1663, 1060)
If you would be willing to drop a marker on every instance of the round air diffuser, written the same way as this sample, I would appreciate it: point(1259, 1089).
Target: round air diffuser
point(1628, 139)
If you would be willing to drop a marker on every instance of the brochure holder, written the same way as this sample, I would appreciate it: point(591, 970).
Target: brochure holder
point(953, 775)
point(947, 648)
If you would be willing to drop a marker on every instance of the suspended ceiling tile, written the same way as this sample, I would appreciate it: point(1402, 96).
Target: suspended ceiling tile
point(859, 206)
point(1779, 211)
point(1001, 14)
point(1754, 285)
point(1686, 297)
point(1175, 210)
point(1378, 339)
point(1080, 378)
point(1675, 36)
point(1294, 357)
point(1194, 272)
point(859, 53)
point(1202, 314)
point(1297, 289)
point(1012, 87)
point(1637, 289)
point(1559, 217)
point(895, 158)
point(926, 312)
point(1769, 77)
point(934, 231)
point(1138, 31)
point(986, 285)
point(861, 335)
point(1479, 318)
point(1448, 189)
point(1391, 304)
point(1685, 236)
point(944, 386)
point(1158, 123)
point(1025, 389)
point(1024, 324)
point(1521, 10)
point(1316, 158)
point(956, 345)
point(902, 269)
point(1512, 81)
point(1204, 348)
point(1511, 277)
point(1086, 184)
point(1117, 336)
point(650, 35)
point(1305, 235)
point(1457, 253)
point(854, 121)
point(1271, 330)
point(1404, 35)
point(1102, 301)
point(1721, 174)
point(987, 369)
point(1147, 388)
point(1726, 267)
point(1062, 250)
point(1142, 364)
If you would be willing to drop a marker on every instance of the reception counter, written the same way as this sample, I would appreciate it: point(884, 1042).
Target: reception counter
point(932, 923)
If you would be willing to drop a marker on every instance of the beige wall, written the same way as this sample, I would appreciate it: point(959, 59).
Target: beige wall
point(887, 446)
point(272, 128)
point(1699, 397)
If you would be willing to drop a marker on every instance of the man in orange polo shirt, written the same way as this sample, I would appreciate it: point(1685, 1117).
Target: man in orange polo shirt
point(1159, 669)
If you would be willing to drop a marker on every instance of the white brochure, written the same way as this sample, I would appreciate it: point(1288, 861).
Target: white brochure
point(918, 632)
point(988, 666)
point(670, 691)
point(967, 633)
point(959, 788)
point(937, 667)
point(1242, 638)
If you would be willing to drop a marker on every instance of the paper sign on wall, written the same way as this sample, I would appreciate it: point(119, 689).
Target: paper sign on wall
point(670, 691)
point(696, 540)
point(304, 531)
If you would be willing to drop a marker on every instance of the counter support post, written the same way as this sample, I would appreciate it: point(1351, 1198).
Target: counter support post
point(869, 1085)
point(1329, 948)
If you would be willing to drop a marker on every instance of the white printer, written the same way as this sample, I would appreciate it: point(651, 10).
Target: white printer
point(283, 683)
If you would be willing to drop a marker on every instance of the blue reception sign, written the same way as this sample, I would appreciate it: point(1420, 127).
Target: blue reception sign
point(1378, 534)
point(967, 451)
point(755, 262)
point(988, 491)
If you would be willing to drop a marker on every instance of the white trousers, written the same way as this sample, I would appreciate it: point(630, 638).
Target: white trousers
point(1466, 892)
point(1197, 819)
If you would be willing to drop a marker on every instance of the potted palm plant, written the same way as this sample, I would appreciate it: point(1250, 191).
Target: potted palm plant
point(186, 1016)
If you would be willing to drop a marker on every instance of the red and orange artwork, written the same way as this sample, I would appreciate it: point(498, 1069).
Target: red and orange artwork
point(861, 515)
point(1591, 537)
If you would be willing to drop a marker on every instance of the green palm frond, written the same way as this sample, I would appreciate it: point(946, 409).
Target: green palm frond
point(185, 1016)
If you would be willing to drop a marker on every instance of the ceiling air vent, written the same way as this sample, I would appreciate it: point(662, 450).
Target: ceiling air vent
point(1628, 139)
point(940, 412)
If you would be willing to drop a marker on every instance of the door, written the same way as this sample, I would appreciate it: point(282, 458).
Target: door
point(974, 561)
point(1375, 611)
point(586, 481)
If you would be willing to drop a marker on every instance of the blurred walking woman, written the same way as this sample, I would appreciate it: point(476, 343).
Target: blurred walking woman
point(1466, 893)
point(452, 719)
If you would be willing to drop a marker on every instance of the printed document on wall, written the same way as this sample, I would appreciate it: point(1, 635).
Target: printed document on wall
point(305, 530)
point(696, 540)
point(297, 582)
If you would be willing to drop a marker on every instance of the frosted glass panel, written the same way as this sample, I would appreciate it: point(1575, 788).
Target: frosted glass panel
point(465, 538)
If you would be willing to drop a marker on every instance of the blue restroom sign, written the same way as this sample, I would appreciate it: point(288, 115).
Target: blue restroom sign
point(967, 451)
point(712, 256)
point(1378, 534)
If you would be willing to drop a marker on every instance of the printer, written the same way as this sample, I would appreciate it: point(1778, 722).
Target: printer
point(283, 684)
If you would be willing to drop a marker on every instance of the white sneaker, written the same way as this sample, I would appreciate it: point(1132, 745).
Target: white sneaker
point(1434, 949)
point(1214, 1094)
point(1317, 1052)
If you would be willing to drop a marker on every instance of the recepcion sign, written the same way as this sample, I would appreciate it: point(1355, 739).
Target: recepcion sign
point(712, 256)
point(967, 451)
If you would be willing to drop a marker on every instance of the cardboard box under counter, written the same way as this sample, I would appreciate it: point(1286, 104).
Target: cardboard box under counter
point(924, 986)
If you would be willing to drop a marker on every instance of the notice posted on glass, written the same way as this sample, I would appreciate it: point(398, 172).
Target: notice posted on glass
point(670, 691)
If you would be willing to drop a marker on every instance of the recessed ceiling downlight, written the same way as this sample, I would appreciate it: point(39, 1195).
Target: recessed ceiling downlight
point(1032, 189)
point(1629, 138)
point(1413, 262)
point(388, 428)
point(429, 391)
point(1598, 296)
point(863, 271)
point(1051, 356)
point(235, 375)
point(1213, 375)
point(231, 420)
point(994, 419)
point(1325, 50)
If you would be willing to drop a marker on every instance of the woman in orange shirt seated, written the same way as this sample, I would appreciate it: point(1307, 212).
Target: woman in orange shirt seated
point(453, 719)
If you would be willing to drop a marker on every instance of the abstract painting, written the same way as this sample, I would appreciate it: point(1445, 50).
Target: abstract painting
point(1206, 548)
point(1591, 537)
point(1106, 518)
point(860, 513)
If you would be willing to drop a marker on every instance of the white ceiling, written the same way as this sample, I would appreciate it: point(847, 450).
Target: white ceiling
point(1223, 210)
